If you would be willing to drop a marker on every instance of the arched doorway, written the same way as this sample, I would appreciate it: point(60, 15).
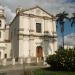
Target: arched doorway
point(39, 53)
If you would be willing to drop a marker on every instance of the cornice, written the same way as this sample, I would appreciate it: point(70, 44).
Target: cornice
point(2, 16)
point(2, 29)
point(5, 41)
point(2, 47)
point(35, 16)
point(21, 10)
point(38, 35)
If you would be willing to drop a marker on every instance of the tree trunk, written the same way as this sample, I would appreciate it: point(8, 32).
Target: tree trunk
point(63, 40)
point(62, 31)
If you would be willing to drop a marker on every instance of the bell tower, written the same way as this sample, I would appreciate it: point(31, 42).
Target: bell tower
point(2, 32)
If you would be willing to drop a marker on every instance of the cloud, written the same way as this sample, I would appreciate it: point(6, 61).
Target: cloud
point(9, 14)
point(68, 39)
point(52, 6)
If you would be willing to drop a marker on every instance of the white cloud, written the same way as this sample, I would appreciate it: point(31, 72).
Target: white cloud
point(53, 6)
point(9, 14)
point(68, 39)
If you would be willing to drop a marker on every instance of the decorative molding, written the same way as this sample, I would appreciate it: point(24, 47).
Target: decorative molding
point(53, 40)
point(2, 29)
point(38, 35)
point(7, 41)
point(31, 38)
point(31, 30)
point(2, 47)
point(2, 16)
point(46, 32)
point(21, 29)
point(23, 10)
point(35, 16)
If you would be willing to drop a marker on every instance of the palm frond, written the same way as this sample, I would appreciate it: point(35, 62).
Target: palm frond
point(56, 26)
point(72, 24)
point(72, 19)
point(67, 18)
point(64, 13)
point(58, 15)
point(74, 14)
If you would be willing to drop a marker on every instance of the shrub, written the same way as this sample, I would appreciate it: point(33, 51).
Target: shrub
point(63, 60)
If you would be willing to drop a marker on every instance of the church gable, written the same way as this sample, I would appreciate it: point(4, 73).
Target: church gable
point(37, 11)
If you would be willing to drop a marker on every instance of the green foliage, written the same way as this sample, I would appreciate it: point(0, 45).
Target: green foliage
point(47, 72)
point(62, 60)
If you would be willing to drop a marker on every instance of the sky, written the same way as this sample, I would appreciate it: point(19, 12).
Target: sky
point(52, 6)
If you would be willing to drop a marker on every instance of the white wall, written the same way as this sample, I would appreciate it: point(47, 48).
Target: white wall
point(27, 42)
point(2, 29)
point(14, 28)
point(2, 38)
point(8, 49)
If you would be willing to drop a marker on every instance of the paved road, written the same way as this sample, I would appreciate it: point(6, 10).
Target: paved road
point(17, 69)
point(13, 72)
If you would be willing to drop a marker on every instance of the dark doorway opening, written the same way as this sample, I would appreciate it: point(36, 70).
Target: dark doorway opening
point(39, 53)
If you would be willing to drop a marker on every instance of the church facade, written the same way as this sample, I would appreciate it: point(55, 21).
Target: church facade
point(31, 34)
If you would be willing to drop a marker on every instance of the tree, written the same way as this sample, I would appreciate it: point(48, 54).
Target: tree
point(62, 60)
point(72, 19)
point(60, 19)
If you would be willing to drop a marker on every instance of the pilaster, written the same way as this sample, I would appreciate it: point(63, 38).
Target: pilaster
point(45, 26)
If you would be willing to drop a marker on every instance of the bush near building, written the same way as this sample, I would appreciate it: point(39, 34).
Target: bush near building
point(62, 60)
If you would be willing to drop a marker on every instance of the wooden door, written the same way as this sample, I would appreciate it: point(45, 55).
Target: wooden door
point(39, 53)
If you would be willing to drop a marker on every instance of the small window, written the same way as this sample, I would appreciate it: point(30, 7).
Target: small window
point(38, 27)
point(0, 23)
point(0, 34)
point(5, 56)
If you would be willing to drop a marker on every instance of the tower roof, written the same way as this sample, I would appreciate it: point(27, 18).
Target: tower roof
point(1, 7)
point(2, 12)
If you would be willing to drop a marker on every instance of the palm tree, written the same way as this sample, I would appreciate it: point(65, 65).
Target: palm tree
point(72, 19)
point(60, 19)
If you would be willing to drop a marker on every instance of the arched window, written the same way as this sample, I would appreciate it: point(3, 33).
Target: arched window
point(0, 23)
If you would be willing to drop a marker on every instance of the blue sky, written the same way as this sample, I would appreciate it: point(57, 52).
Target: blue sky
point(67, 29)
point(72, 1)
point(52, 6)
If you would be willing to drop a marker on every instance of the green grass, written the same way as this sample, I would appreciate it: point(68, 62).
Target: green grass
point(47, 72)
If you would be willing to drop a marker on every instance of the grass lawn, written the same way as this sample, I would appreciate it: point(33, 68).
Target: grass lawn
point(47, 72)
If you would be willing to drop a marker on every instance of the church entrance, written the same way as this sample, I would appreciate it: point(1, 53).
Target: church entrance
point(39, 53)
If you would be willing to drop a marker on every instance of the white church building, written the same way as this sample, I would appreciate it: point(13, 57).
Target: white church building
point(31, 34)
point(5, 45)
